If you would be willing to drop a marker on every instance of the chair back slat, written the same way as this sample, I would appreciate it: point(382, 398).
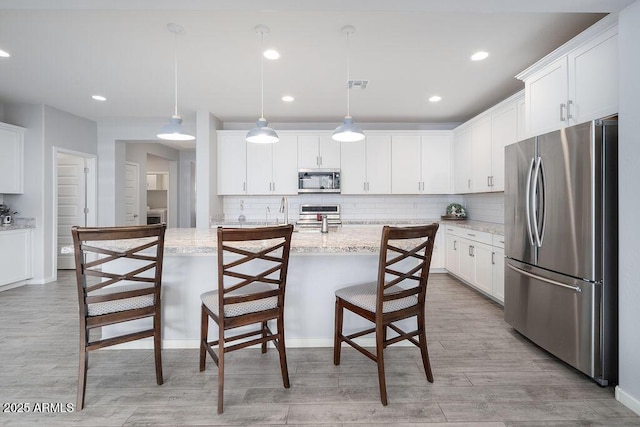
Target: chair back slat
point(405, 258)
point(108, 257)
point(262, 257)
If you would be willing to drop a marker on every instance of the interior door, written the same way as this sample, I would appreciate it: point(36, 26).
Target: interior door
point(71, 186)
point(131, 194)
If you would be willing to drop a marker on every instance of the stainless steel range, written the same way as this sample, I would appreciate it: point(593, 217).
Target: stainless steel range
point(311, 216)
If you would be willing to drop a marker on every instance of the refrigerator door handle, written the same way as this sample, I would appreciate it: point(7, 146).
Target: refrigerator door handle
point(534, 206)
point(543, 204)
point(528, 203)
point(544, 279)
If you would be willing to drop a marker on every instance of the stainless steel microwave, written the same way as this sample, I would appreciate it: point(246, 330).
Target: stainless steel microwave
point(318, 180)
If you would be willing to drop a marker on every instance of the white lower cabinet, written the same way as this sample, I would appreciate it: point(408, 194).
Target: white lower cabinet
point(474, 257)
point(438, 254)
point(15, 262)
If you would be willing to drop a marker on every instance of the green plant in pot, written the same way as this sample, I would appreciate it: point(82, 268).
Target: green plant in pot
point(456, 209)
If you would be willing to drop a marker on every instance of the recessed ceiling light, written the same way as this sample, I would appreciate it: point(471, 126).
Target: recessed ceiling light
point(4, 54)
point(98, 97)
point(287, 98)
point(435, 98)
point(479, 56)
point(271, 54)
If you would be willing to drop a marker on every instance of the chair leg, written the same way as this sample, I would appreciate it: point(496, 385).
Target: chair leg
point(337, 334)
point(264, 335)
point(221, 365)
point(283, 352)
point(204, 331)
point(380, 361)
point(82, 373)
point(422, 338)
point(157, 345)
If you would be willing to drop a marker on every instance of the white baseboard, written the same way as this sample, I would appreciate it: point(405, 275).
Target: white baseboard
point(627, 400)
point(12, 285)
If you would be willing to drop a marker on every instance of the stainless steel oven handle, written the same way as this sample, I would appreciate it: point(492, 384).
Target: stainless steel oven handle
point(528, 203)
point(544, 279)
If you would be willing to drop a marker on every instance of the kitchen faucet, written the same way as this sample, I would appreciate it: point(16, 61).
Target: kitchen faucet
point(284, 208)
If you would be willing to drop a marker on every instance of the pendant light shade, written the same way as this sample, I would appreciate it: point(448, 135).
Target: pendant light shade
point(173, 130)
point(347, 131)
point(262, 134)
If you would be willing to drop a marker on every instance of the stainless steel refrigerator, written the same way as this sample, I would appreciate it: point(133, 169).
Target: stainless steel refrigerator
point(561, 244)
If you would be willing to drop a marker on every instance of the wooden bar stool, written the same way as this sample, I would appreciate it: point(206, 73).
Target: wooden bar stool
point(252, 276)
point(119, 275)
point(399, 293)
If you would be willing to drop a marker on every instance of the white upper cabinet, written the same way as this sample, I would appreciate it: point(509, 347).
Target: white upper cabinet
point(12, 159)
point(366, 165)
point(421, 164)
point(272, 168)
point(479, 146)
point(232, 163)
point(318, 151)
point(504, 131)
point(406, 164)
point(436, 162)
point(576, 83)
point(462, 162)
point(481, 155)
point(593, 78)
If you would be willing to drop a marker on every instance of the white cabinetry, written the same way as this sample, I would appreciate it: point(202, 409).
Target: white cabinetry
point(366, 165)
point(12, 159)
point(421, 164)
point(318, 151)
point(477, 258)
point(481, 155)
point(438, 254)
point(462, 160)
point(576, 83)
point(15, 262)
point(479, 146)
point(272, 168)
point(232, 163)
point(157, 181)
point(504, 131)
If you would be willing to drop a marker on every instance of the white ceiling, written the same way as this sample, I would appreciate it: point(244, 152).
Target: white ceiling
point(407, 49)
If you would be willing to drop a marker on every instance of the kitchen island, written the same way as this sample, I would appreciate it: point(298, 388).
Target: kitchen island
point(319, 264)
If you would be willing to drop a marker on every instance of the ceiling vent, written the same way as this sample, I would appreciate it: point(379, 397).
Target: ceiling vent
point(358, 84)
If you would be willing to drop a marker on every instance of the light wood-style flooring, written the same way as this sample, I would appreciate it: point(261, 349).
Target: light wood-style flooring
point(485, 375)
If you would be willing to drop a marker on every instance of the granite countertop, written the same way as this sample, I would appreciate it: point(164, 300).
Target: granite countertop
point(352, 237)
point(487, 227)
point(19, 224)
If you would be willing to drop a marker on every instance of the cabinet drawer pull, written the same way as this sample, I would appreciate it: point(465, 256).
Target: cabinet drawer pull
point(562, 107)
point(493, 258)
point(569, 116)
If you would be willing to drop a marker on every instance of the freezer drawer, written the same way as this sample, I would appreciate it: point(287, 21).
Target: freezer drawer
point(560, 314)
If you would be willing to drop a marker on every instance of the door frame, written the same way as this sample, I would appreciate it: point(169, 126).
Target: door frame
point(137, 165)
point(91, 191)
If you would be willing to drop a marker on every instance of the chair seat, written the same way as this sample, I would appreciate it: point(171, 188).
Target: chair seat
point(210, 300)
point(115, 306)
point(364, 296)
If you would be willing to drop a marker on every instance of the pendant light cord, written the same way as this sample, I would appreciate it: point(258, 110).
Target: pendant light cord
point(262, 74)
point(348, 71)
point(175, 72)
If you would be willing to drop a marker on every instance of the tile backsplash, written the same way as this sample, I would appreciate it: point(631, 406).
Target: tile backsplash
point(481, 207)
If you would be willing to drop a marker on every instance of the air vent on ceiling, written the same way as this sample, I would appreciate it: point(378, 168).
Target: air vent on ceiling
point(358, 84)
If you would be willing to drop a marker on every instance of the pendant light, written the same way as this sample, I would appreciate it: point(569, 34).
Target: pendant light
point(347, 131)
point(262, 134)
point(173, 131)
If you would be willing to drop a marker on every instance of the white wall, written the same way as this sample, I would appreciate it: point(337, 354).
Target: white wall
point(143, 153)
point(112, 141)
point(47, 128)
point(628, 390)
point(186, 198)
point(209, 204)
